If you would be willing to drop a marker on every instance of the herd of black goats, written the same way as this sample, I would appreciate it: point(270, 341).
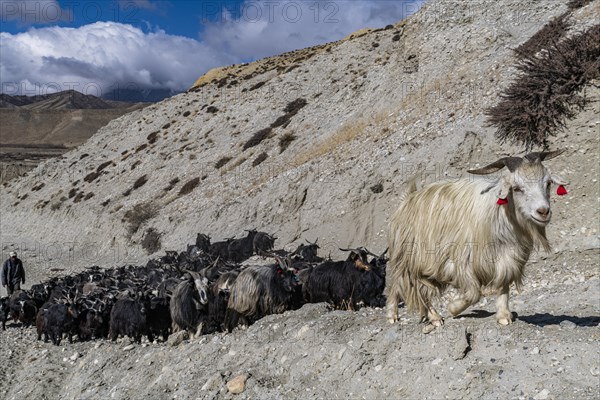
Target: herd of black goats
point(202, 290)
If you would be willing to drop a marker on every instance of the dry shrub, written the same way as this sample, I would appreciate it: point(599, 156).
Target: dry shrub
point(189, 186)
point(290, 110)
point(89, 178)
point(152, 137)
point(261, 157)
point(258, 85)
point(172, 184)
point(257, 138)
point(139, 214)
point(222, 161)
point(285, 141)
point(141, 181)
point(38, 187)
point(151, 241)
point(546, 93)
point(575, 4)
point(550, 34)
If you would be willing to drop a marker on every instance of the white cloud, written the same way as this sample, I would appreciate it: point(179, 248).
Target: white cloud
point(101, 56)
point(264, 28)
point(98, 57)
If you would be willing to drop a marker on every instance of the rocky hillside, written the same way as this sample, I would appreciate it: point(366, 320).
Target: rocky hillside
point(314, 143)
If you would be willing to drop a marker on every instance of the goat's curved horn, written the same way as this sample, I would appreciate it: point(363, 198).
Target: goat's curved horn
point(512, 163)
point(193, 274)
point(348, 249)
point(544, 155)
point(368, 252)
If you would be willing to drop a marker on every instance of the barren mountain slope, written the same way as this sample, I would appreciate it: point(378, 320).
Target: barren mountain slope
point(373, 114)
point(366, 110)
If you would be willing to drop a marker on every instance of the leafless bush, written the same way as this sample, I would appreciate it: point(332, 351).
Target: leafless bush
point(550, 34)
point(222, 161)
point(261, 157)
point(151, 241)
point(257, 138)
point(575, 4)
point(189, 186)
point(141, 181)
point(285, 141)
point(139, 214)
point(547, 91)
point(172, 184)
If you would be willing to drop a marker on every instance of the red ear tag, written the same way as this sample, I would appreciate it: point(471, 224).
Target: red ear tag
point(279, 271)
point(561, 191)
point(501, 202)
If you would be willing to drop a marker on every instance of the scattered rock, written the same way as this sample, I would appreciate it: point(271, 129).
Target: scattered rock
point(428, 328)
point(461, 347)
point(75, 356)
point(543, 395)
point(302, 331)
point(535, 350)
point(130, 347)
point(213, 383)
point(237, 384)
point(568, 324)
point(177, 338)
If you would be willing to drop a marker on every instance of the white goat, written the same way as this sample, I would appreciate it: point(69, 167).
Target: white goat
point(474, 235)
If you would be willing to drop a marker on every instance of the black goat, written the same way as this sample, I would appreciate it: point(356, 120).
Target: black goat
point(128, 318)
point(260, 291)
point(263, 243)
point(220, 249)
point(218, 298)
point(23, 308)
point(203, 242)
point(337, 282)
point(307, 253)
point(91, 324)
point(242, 249)
point(158, 318)
point(4, 311)
point(188, 300)
point(59, 319)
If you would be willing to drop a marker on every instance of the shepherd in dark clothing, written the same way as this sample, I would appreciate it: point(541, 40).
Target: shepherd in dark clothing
point(12, 274)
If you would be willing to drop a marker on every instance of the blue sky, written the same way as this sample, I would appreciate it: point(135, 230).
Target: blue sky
point(93, 46)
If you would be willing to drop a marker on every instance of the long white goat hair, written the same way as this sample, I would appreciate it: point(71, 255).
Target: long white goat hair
point(454, 233)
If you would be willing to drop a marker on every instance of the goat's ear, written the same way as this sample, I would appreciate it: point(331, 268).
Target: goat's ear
point(559, 180)
point(205, 280)
point(503, 188)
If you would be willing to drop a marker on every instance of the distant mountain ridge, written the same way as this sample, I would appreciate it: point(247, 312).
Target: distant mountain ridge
point(68, 99)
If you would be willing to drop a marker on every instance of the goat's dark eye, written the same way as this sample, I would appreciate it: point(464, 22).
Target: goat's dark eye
point(517, 189)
